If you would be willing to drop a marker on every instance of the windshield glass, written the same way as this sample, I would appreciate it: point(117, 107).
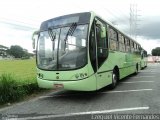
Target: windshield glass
point(66, 51)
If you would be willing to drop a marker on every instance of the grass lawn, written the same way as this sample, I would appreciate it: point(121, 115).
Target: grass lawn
point(22, 70)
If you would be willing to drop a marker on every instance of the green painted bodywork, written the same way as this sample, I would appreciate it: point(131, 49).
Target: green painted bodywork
point(144, 62)
point(143, 59)
point(87, 84)
point(125, 62)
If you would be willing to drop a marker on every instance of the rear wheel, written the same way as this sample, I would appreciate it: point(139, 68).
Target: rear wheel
point(141, 68)
point(136, 70)
point(114, 79)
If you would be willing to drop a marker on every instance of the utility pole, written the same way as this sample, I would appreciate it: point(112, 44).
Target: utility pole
point(133, 20)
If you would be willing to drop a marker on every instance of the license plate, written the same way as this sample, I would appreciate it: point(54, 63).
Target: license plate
point(58, 86)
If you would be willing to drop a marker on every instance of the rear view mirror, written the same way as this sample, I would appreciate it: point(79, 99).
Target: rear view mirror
point(102, 29)
point(34, 38)
point(103, 32)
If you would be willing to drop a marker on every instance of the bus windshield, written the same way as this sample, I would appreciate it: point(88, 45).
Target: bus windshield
point(66, 51)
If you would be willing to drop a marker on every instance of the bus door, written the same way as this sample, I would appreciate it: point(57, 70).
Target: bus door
point(101, 52)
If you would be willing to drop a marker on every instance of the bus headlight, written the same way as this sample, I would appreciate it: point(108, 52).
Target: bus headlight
point(40, 75)
point(77, 76)
point(80, 75)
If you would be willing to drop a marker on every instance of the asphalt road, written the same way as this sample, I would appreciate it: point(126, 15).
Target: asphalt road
point(137, 96)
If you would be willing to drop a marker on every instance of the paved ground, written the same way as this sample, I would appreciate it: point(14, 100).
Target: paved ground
point(134, 95)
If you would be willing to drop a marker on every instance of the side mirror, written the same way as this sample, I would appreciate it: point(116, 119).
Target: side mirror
point(103, 32)
point(34, 37)
point(102, 29)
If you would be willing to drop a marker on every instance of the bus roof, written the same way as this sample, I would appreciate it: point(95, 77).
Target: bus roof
point(83, 15)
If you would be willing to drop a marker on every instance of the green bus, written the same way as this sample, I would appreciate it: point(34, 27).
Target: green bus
point(83, 52)
point(144, 56)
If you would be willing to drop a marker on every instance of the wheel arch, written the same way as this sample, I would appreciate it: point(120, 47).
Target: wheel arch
point(116, 68)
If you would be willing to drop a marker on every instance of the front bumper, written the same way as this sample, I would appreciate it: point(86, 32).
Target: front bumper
point(87, 84)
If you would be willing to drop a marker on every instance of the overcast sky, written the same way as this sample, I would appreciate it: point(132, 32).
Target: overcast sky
point(19, 18)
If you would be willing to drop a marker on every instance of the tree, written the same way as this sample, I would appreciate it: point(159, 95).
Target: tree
point(16, 51)
point(26, 55)
point(156, 51)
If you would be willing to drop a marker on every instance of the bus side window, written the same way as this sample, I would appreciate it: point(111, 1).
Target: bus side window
point(121, 42)
point(127, 45)
point(113, 39)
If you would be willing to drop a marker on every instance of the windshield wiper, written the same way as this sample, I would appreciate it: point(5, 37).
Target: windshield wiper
point(70, 32)
point(51, 34)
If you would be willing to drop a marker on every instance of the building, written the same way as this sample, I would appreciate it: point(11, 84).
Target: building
point(3, 51)
point(153, 59)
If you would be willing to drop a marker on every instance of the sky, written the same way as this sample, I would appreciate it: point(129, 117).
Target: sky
point(20, 18)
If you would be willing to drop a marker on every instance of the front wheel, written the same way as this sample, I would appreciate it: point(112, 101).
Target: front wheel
point(114, 79)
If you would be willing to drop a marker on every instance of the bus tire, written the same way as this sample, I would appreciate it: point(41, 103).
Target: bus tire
point(141, 68)
point(114, 79)
point(136, 70)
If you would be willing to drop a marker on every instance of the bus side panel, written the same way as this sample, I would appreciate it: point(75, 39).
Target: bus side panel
point(104, 79)
point(104, 76)
point(124, 61)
